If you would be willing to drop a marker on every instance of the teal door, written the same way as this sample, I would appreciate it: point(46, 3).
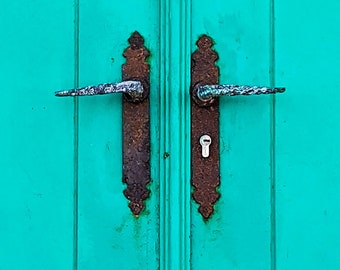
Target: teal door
point(62, 205)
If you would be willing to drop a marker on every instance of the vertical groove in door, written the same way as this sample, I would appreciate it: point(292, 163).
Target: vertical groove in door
point(174, 122)
point(272, 137)
point(185, 71)
point(164, 126)
point(76, 134)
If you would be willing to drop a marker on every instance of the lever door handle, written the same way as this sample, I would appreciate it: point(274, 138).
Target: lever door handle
point(132, 88)
point(136, 119)
point(205, 92)
point(208, 92)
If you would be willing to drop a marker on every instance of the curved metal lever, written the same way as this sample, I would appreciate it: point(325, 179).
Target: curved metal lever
point(133, 88)
point(207, 92)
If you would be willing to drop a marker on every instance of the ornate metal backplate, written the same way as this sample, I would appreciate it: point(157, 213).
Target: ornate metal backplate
point(136, 126)
point(204, 121)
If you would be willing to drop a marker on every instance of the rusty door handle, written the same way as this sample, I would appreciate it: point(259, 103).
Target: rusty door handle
point(205, 92)
point(208, 92)
point(132, 88)
point(136, 119)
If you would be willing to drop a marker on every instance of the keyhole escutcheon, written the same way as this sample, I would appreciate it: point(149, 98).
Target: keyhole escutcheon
point(205, 142)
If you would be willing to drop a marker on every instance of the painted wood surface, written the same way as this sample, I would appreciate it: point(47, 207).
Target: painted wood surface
point(109, 236)
point(307, 41)
point(238, 235)
point(36, 152)
point(62, 205)
point(175, 190)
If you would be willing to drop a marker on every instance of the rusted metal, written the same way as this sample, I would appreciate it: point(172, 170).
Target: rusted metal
point(136, 126)
point(204, 121)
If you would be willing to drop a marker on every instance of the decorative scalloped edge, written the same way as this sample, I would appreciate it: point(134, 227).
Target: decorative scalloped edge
point(204, 120)
point(136, 126)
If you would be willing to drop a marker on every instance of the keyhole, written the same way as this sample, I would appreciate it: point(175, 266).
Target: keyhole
point(205, 142)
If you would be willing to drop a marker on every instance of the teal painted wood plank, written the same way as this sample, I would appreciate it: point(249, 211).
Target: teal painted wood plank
point(109, 235)
point(36, 139)
point(307, 143)
point(174, 133)
point(238, 236)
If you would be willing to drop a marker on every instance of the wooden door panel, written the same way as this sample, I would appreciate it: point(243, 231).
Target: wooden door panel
point(62, 202)
point(109, 236)
point(238, 234)
point(307, 54)
point(36, 161)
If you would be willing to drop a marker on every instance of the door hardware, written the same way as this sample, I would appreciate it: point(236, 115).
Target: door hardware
point(136, 119)
point(205, 92)
point(205, 141)
point(132, 88)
